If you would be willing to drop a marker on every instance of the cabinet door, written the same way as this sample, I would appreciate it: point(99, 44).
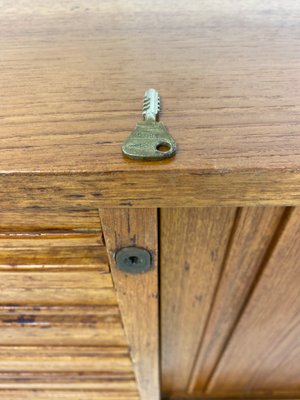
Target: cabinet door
point(263, 353)
point(230, 302)
point(66, 324)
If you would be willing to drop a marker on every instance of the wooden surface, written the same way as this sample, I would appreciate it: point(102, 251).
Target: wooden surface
point(248, 251)
point(263, 355)
point(137, 294)
point(61, 333)
point(193, 245)
point(72, 81)
point(37, 219)
point(65, 395)
point(229, 302)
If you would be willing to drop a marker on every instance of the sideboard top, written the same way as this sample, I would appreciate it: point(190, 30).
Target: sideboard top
point(73, 75)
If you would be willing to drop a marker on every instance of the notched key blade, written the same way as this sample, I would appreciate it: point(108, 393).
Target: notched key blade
point(149, 141)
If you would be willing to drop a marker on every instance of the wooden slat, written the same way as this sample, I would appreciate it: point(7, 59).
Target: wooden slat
point(193, 247)
point(42, 239)
point(108, 381)
point(37, 394)
point(60, 359)
point(27, 310)
point(47, 327)
point(137, 294)
point(254, 231)
point(56, 287)
point(263, 354)
point(46, 219)
point(62, 258)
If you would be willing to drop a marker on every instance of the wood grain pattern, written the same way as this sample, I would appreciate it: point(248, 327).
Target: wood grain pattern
point(45, 238)
point(55, 257)
point(107, 381)
point(39, 394)
point(61, 333)
point(193, 247)
point(54, 288)
point(263, 355)
point(83, 327)
point(255, 229)
point(72, 81)
point(50, 220)
point(159, 189)
point(65, 358)
point(137, 294)
point(201, 395)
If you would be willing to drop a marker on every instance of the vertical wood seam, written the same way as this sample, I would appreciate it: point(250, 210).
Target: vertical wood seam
point(268, 253)
point(159, 297)
point(193, 375)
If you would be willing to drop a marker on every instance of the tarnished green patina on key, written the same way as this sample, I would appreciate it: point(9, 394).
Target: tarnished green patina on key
point(150, 140)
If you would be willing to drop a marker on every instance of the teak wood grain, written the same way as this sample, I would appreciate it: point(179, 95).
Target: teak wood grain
point(72, 80)
point(65, 358)
point(213, 262)
point(50, 220)
point(193, 246)
point(263, 354)
point(253, 236)
point(40, 394)
point(61, 332)
point(137, 294)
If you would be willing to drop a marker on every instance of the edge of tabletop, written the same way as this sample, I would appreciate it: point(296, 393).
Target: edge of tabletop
point(150, 188)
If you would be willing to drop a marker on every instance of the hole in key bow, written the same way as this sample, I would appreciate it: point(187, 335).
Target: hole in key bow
point(163, 147)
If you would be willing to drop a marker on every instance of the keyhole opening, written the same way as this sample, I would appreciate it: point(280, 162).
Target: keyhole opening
point(133, 260)
point(163, 147)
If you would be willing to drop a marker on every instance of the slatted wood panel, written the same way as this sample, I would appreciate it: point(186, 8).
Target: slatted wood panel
point(263, 355)
point(61, 332)
point(224, 271)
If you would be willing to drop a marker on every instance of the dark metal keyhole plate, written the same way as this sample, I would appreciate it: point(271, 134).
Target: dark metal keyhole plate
point(134, 260)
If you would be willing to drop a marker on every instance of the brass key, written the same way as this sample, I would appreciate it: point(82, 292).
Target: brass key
point(150, 140)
